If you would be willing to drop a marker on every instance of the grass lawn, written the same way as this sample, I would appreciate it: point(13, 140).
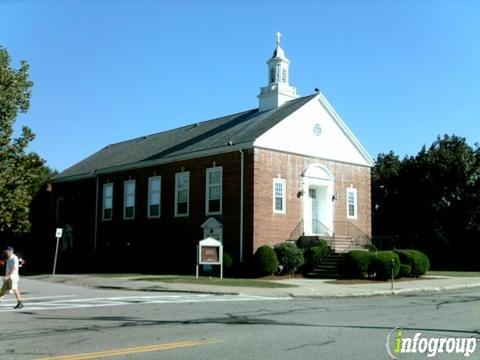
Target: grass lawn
point(188, 279)
point(454, 273)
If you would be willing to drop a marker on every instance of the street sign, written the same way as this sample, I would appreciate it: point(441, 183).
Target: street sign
point(58, 235)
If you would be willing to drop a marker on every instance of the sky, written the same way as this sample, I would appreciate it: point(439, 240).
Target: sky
point(400, 73)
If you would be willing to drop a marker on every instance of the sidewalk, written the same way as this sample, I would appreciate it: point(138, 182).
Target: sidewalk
point(310, 288)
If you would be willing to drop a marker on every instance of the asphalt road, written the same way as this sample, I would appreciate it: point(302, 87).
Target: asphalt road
point(61, 320)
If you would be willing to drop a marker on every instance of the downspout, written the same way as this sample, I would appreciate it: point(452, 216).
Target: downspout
point(96, 218)
point(242, 162)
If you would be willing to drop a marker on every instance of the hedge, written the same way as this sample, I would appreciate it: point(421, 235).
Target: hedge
point(289, 256)
point(266, 262)
point(315, 254)
point(227, 261)
point(381, 265)
point(418, 261)
point(356, 264)
point(405, 270)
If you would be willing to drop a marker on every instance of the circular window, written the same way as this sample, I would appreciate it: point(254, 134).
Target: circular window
point(317, 130)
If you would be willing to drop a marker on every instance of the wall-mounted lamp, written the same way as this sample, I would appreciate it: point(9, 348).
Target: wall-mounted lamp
point(300, 194)
point(335, 197)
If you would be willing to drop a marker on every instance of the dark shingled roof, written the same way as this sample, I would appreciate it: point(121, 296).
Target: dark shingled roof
point(212, 135)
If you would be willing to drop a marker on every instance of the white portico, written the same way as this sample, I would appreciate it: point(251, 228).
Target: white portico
point(318, 195)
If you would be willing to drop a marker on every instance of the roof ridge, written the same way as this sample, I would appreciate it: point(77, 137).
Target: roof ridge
point(198, 123)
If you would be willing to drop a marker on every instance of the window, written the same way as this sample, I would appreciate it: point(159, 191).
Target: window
point(284, 75)
point(279, 196)
point(272, 75)
point(129, 199)
point(213, 196)
point(182, 185)
point(351, 203)
point(154, 191)
point(317, 130)
point(107, 201)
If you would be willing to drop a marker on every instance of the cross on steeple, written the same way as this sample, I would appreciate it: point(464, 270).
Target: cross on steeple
point(278, 35)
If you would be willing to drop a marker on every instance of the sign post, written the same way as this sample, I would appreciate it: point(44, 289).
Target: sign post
point(58, 235)
point(209, 252)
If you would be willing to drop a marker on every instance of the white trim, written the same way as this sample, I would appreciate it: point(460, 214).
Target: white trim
point(177, 175)
point(103, 202)
point(346, 130)
point(125, 196)
point(355, 203)
point(283, 183)
point(324, 182)
point(207, 190)
point(151, 179)
point(167, 160)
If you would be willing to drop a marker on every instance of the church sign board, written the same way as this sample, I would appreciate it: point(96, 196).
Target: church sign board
point(210, 252)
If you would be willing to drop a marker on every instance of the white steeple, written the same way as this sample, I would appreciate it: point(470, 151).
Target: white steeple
point(278, 90)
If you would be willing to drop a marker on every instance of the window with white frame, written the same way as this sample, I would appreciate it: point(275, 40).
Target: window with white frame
point(129, 199)
point(279, 200)
point(182, 193)
point(107, 211)
point(352, 203)
point(213, 196)
point(154, 195)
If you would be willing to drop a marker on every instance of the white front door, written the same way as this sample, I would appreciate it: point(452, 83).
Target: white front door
point(317, 190)
point(318, 215)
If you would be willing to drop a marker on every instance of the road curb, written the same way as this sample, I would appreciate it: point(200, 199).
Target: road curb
point(388, 292)
point(159, 289)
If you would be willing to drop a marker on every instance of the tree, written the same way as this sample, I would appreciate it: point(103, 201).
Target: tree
point(430, 201)
point(20, 171)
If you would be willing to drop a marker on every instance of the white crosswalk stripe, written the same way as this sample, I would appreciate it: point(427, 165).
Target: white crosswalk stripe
point(67, 302)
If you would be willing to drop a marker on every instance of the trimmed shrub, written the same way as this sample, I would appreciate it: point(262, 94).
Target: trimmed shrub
point(315, 254)
point(356, 264)
point(227, 261)
point(405, 270)
point(266, 262)
point(381, 264)
point(289, 256)
point(418, 261)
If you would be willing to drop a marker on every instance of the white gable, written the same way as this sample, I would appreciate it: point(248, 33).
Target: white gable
point(316, 130)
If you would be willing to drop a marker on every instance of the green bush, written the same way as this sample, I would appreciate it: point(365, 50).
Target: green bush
point(289, 256)
point(227, 261)
point(418, 261)
point(381, 265)
point(315, 254)
point(266, 262)
point(405, 270)
point(356, 264)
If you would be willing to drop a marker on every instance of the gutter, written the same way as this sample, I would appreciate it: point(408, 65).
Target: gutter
point(96, 217)
point(242, 163)
point(144, 164)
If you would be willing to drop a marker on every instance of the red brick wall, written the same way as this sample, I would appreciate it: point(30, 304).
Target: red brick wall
point(168, 236)
point(270, 228)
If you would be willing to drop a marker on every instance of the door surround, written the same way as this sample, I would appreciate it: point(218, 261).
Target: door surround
point(320, 178)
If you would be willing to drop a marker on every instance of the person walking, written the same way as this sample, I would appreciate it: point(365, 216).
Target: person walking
point(12, 277)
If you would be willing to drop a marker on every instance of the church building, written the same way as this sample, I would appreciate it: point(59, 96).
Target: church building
point(290, 168)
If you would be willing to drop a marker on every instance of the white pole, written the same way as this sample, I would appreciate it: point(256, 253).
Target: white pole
point(56, 254)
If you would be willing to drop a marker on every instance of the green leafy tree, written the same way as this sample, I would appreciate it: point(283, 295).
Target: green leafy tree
point(20, 171)
point(430, 201)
